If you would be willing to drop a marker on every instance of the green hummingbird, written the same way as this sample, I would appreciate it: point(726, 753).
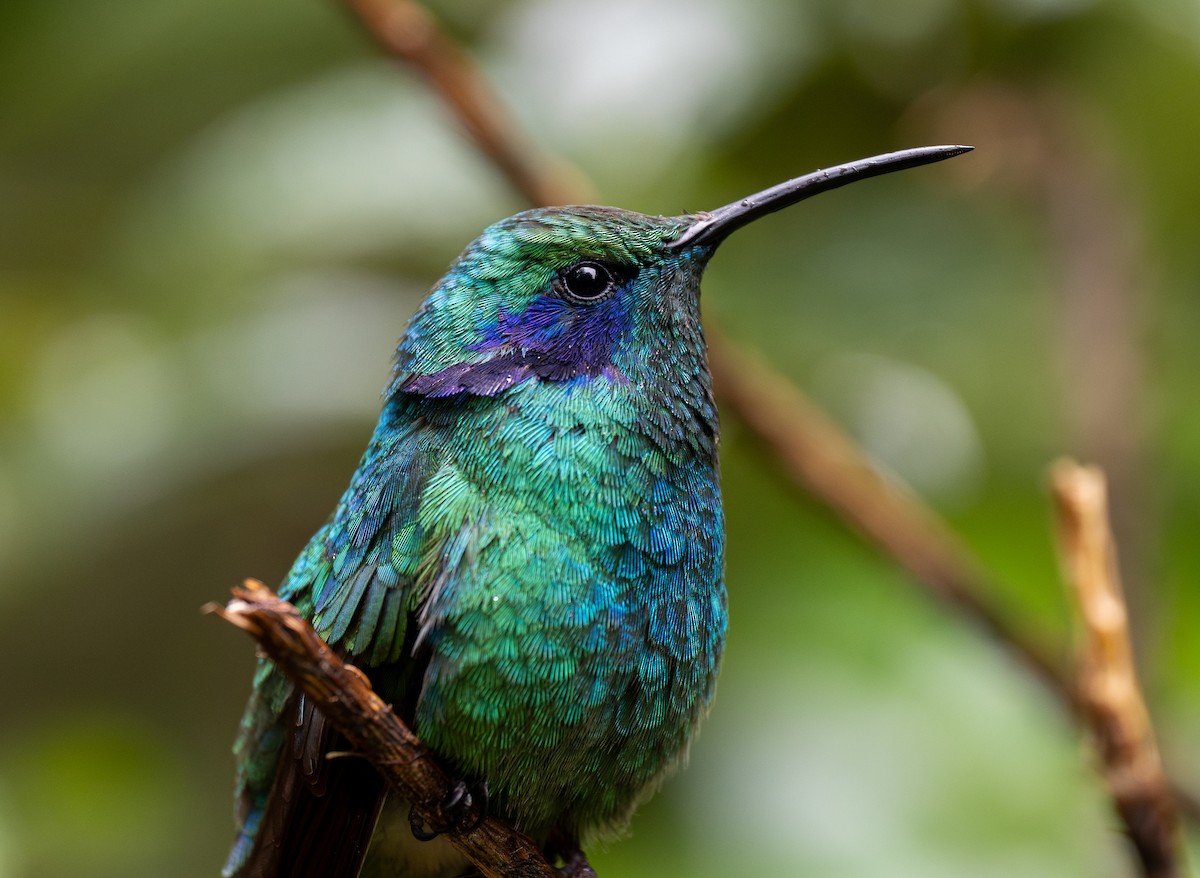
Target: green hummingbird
point(528, 562)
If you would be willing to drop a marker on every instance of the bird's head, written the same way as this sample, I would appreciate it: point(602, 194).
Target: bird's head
point(570, 293)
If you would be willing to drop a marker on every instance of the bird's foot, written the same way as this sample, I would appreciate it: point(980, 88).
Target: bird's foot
point(575, 865)
point(463, 809)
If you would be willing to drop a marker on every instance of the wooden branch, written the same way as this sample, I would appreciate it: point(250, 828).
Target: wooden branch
point(1111, 700)
point(344, 696)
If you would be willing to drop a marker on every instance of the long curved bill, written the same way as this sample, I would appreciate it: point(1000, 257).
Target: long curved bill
point(713, 227)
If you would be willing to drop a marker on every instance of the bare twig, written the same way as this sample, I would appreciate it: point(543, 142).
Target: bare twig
point(1110, 698)
point(347, 701)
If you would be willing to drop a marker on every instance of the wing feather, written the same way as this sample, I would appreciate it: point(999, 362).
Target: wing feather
point(299, 812)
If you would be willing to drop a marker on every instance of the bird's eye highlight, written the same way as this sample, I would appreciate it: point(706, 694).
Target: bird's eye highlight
point(587, 281)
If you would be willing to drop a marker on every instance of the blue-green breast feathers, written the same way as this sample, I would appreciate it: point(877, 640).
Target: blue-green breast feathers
point(530, 553)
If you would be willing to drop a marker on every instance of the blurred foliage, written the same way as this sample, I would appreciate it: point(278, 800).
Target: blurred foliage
point(216, 216)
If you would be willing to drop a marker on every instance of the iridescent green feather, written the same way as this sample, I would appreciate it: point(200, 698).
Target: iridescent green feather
point(546, 542)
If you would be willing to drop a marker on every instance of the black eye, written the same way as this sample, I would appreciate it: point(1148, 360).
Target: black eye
point(585, 281)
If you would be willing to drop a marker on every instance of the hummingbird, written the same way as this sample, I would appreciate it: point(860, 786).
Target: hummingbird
point(528, 563)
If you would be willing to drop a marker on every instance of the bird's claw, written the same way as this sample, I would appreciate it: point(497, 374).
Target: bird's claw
point(462, 810)
point(575, 865)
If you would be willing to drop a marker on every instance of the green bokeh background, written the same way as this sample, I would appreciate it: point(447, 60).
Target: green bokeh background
point(215, 218)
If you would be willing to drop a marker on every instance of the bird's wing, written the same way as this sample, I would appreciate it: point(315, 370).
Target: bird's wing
point(299, 812)
point(317, 815)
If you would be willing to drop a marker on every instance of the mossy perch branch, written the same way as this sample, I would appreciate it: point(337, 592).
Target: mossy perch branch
point(345, 697)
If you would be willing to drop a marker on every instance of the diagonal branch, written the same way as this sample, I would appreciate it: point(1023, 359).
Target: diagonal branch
point(819, 456)
point(1110, 698)
point(345, 697)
